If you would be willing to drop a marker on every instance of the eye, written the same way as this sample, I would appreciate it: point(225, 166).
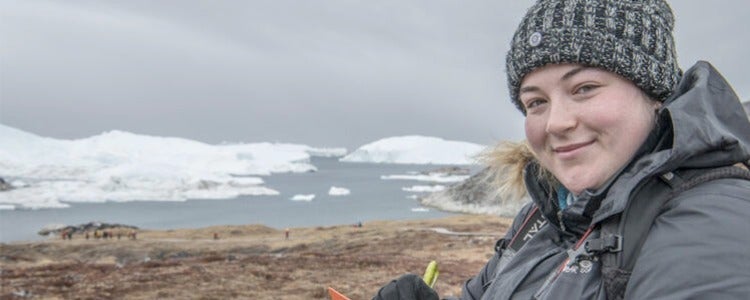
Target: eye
point(585, 88)
point(534, 102)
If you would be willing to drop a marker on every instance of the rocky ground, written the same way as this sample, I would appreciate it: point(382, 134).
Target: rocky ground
point(252, 261)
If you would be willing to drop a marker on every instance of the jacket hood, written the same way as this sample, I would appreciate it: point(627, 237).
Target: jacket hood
point(702, 125)
point(705, 126)
point(709, 123)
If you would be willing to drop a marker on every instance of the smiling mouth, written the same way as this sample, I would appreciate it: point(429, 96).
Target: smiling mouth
point(570, 148)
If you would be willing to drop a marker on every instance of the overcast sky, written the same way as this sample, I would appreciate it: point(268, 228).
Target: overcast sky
point(322, 73)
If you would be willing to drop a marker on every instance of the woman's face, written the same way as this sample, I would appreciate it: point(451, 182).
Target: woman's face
point(584, 124)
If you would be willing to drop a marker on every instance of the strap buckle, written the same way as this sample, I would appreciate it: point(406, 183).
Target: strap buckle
point(610, 243)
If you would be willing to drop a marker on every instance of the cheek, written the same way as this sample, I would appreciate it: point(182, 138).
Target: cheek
point(535, 133)
point(621, 121)
point(608, 118)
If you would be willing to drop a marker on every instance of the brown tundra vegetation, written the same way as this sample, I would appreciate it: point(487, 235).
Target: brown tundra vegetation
point(250, 261)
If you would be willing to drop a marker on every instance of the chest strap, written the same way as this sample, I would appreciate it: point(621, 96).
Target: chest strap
point(533, 222)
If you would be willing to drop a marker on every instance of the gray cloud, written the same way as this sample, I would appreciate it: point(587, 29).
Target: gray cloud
point(324, 73)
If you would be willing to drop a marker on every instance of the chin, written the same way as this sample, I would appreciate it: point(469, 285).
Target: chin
point(578, 179)
point(577, 186)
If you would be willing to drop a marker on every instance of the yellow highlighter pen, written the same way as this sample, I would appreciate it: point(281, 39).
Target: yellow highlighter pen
point(431, 274)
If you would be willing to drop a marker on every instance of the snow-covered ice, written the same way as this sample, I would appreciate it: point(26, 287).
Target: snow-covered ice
point(122, 166)
point(303, 197)
point(420, 209)
point(415, 150)
point(338, 191)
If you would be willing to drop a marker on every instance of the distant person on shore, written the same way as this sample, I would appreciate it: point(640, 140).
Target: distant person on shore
point(286, 234)
point(637, 170)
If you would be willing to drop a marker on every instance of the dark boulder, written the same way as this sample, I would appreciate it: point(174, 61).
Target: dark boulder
point(4, 186)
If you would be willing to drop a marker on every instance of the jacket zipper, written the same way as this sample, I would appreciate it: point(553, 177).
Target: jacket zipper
point(560, 220)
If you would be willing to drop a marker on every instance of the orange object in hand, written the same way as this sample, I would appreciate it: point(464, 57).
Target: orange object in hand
point(335, 295)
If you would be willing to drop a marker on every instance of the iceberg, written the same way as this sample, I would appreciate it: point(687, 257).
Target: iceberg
point(121, 166)
point(415, 150)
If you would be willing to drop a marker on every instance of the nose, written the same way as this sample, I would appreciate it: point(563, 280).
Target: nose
point(562, 117)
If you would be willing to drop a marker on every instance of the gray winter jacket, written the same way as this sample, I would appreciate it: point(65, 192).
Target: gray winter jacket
point(698, 247)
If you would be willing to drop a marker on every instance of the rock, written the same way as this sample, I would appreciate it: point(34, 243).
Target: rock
point(90, 227)
point(22, 294)
point(475, 195)
point(448, 171)
point(4, 186)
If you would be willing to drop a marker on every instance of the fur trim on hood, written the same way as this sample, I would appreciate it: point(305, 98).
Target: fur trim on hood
point(506, 162)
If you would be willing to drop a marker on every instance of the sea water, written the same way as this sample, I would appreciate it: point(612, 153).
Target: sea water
point(371, 198)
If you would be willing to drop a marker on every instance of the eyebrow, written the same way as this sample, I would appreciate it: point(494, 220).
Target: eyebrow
point(572, 73)
point(528, 89)
point(565, 77)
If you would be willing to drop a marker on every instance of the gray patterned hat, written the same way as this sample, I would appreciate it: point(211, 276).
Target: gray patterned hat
point(631, 38)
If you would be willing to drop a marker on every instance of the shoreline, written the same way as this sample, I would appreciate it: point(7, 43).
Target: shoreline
point(253, 261)
point(38, 238)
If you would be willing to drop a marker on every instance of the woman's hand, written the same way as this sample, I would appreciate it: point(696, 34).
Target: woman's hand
point(407, 287)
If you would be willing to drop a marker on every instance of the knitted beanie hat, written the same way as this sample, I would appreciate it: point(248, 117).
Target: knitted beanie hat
point(632, 38)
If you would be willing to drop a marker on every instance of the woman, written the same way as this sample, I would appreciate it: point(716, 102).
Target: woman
point(613, 126)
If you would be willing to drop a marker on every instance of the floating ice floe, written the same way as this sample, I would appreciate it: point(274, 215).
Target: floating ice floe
point(338, 191)
point(420, 209)
point(303, 197)
point(428, 178)
point(424, 188)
